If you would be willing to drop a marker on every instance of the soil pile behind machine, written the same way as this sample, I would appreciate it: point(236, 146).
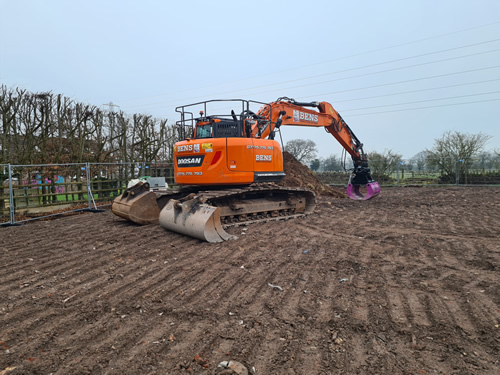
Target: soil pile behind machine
point(228, 164)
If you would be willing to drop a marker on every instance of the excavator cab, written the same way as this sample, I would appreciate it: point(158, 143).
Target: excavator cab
point(216, 127)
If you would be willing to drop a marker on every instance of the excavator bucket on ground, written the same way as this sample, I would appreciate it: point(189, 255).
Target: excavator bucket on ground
point(372, 190)
point(137, 204)
point(194, 219)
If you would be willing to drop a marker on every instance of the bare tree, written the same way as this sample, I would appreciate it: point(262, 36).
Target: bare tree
point(116, 135)
point(332, 163)
point(149, 135)
point(419, 161)
point(41, 128)
point(304, 150)
point(173, 135)
point(10, 103)
point(27, 131)
point(98, 152)
point(453, 152)
point(123, 137)
point(383, 164)
point(62, 118)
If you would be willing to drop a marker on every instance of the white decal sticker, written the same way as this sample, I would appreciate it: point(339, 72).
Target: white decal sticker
point(263, 157)
point(185, 148)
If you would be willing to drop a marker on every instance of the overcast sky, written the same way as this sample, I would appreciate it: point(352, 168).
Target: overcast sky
point(401, 73)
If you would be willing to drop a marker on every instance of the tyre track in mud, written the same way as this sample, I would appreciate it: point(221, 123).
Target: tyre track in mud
point(406, 287)
point(417, 307)
point(85, 275)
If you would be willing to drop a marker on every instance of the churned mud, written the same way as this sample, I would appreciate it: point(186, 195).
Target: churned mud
point(407, 283)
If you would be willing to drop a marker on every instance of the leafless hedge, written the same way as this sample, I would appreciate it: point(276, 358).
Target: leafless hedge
point(44, 128)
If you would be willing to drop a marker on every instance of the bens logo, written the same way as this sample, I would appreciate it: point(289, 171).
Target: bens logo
point(190, 161)
point(308, 117)
point(263, 157)
point(302, 116)
point(185, 148)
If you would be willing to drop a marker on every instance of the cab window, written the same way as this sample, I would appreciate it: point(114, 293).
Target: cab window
point(204, 131)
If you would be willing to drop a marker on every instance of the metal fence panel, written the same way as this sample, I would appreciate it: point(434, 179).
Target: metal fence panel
point(30, 192)
point(107, 181)
point(44, 189)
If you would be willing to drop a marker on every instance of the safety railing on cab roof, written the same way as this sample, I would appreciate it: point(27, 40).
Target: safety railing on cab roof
point(209, 108)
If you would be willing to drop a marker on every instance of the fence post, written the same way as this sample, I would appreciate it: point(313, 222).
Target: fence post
point(465, 171)
point(457, 171)
point(89, 188)
point(12, 209)
point(90, 195)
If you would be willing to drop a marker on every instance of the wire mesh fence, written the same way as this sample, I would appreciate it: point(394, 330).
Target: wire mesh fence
point(30, 192)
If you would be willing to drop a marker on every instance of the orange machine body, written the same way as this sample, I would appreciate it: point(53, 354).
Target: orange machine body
point(227, 161)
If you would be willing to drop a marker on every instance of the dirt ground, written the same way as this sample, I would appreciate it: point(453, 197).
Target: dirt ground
point(407, 283)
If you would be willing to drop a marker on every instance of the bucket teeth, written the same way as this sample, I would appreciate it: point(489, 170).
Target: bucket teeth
point(372, 190)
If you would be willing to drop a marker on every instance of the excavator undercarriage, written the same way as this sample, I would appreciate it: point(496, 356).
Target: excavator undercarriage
point(204, 214)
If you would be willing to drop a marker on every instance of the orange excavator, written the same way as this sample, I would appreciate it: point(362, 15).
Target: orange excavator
point(228, 164)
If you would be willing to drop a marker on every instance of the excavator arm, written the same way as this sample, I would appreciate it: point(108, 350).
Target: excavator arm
point(287, 111)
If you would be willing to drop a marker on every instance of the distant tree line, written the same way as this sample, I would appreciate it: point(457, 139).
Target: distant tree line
point(47, 128)
point(454, 154)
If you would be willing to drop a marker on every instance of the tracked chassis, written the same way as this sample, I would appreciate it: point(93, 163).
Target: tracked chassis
point(204, 213)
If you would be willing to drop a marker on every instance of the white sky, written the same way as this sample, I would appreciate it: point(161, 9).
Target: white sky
point(375, 61)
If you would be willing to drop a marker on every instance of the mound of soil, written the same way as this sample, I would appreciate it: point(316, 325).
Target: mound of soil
point(298, 175)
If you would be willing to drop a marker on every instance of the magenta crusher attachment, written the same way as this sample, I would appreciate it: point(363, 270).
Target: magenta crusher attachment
point(372, 190)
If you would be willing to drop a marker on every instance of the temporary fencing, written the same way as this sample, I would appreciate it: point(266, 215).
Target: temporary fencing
point(35, 191)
